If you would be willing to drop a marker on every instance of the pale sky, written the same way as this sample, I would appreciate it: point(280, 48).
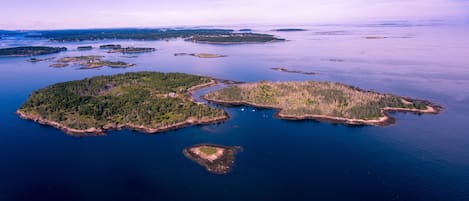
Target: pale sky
point(58, 14)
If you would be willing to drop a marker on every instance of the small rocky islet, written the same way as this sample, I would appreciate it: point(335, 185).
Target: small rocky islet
point(215, 159)
point(286, 70)
point(89, 62)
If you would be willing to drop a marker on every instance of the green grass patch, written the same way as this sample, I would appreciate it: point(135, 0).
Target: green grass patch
point(208, 150)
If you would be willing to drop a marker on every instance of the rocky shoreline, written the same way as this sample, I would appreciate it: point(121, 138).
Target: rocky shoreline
point(219, 162)
point(102, 130)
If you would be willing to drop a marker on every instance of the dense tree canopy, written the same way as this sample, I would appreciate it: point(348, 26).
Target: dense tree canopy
point(30, 50)
point(133, 98)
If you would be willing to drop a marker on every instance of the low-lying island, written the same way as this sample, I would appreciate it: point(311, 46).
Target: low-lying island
point(324, 101)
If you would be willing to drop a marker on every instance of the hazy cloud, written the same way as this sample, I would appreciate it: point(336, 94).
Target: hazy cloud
point(125, 13)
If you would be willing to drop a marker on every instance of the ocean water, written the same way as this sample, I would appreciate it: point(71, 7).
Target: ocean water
point(421, 157)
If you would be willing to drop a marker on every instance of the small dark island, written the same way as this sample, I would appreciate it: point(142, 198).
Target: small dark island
point(149, 102)
point(216, 159)
point(290, 30)
point(323, 101)
point(83, 48)
point(281, 69)
point(234, 38)
point(131, 50)
point(110, 46)
point(36, 60)
point(30, 51)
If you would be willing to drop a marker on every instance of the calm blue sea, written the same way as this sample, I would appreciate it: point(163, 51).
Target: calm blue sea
point(421, 157)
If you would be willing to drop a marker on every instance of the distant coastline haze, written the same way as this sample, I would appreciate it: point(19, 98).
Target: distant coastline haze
point(55, 14)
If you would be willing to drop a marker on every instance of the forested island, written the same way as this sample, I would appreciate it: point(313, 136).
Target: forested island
point(325, 101)
point(110, 46)
point(215, 158)
point(198, 35)
point(234, 38)
point(90, 62)
point(29, 51)
point(150, 102)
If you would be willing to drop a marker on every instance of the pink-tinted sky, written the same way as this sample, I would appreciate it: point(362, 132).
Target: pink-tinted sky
point(53, 14)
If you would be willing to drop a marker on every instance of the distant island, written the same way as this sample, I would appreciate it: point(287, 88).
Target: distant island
point(331, 33)
point(375, 37)
point(83, 48)
point(36, 60)
point(150, 102)
point(324, 101)
point(215, 158)
point(234, 38)
point(131, 50)
point(90, 62)
point(200, 55)
point(290, 30)
point(281, 69)
point(29, 51)
point(212, 36)
point(110, 46)
point(59, 65)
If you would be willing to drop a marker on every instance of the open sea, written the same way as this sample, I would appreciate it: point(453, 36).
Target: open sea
point(420, 158)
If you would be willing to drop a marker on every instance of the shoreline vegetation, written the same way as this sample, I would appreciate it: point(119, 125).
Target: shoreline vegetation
point(281, 69)
point(25, 51)
point(149, 102)
point(90, 62)
point(321, 101)
point(201, 55)
point(215, 159)
point(210, 36)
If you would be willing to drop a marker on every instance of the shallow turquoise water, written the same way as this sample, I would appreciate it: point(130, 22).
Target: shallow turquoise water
point(419, 158)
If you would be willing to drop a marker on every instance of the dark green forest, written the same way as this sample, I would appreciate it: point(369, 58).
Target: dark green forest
point(30, 50)
point(197, 35)
point(133, 98)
